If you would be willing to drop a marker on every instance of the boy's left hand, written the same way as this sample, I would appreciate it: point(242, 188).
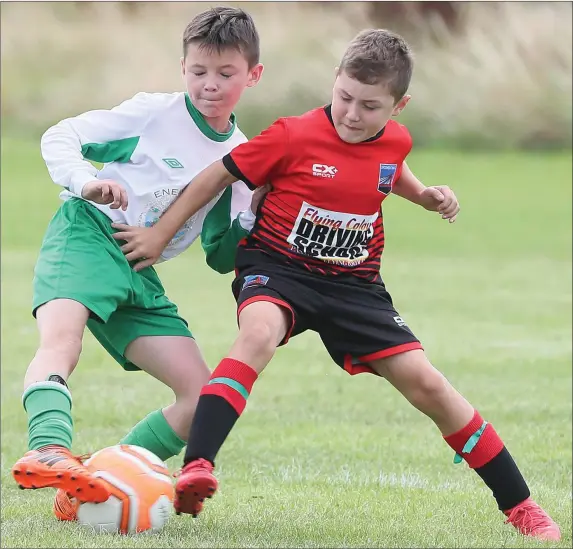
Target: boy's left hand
point(440, 199)
point(145, 243)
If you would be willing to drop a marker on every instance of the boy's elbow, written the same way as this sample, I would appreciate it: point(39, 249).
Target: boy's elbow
point(47, 137)
point(58, 134)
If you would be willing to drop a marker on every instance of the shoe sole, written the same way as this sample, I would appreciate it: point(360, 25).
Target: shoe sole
point(85, 489)
point(548, 534)
point(189, 498)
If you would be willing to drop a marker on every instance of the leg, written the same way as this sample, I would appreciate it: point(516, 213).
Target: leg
point(146, 333)
point(80, 272)
point(273, 304)
point(262, 327)
point(426, 389)
point(49, 463)
point(176, 361)
point(469, 436)
point(61, 324)
point(365, 333)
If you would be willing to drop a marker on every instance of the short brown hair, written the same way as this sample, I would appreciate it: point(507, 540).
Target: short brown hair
point(379, 56)
point(221, 28)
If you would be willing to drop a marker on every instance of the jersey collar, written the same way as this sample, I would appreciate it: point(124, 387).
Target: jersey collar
point(207, 130)
point(328, 112)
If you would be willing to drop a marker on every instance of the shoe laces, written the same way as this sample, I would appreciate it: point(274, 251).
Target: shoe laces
point(62, 450)
point(78, 458)
point(529, 516)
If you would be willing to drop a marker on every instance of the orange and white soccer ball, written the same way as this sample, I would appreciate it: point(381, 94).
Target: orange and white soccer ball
point(141, 491)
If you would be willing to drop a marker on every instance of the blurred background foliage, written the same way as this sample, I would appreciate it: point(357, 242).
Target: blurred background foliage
point(488, 75)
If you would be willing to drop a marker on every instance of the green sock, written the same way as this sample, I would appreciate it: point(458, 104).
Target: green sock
point(156, 435)
point(49, 408)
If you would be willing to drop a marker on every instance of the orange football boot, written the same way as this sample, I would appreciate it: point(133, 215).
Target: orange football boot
point(56, 467)
point(65, 507)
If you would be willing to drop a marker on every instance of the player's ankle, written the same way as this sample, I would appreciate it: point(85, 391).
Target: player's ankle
point(197, 460)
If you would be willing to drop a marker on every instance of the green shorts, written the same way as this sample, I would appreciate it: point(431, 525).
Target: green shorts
point(80, 260)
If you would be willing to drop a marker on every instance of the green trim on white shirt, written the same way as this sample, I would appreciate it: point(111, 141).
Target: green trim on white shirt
point(207, 130)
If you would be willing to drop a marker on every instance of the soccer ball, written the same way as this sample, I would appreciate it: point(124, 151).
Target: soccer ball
point(141, 491)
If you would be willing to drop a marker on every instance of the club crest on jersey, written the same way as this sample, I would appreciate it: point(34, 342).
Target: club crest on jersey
point(254, 280)
point(386, 177)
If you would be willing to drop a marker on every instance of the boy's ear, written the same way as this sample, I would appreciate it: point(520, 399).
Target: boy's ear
point(336, 72)
point(183, 66)
point(255, 75)
point(400, 105)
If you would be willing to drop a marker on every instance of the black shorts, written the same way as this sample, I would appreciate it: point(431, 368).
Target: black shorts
point(354, 318)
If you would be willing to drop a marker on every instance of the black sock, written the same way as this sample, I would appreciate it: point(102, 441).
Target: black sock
point(213, 421)
point(220, 404)
point(503, 477)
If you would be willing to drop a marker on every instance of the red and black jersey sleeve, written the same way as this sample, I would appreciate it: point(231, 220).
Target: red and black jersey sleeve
point(258, 160)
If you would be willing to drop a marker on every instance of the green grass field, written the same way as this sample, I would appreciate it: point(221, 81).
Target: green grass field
point(321, 459)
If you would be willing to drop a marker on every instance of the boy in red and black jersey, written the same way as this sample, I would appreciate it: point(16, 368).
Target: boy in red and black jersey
point(323, 212)
point(312, 263)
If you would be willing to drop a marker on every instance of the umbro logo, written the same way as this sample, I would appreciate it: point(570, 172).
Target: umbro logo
point(322, 170)
point(172, 162)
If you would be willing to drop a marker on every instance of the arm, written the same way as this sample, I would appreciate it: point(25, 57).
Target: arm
point(255, 162)
point(99, 135)
point(202, 189)
point(147, 243)
point(439, 199)
point(408, 185)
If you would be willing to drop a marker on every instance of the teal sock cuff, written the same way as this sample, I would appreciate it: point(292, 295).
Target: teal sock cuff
point(43, 386)
point(471, 443)
point(233, 383)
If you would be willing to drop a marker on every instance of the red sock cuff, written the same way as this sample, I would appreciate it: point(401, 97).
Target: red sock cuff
point(458, 439)
point(237, 370)
point(232, 380)
point(487, 447)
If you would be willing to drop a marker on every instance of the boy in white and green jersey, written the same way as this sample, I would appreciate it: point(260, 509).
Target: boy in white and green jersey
point(151, 146)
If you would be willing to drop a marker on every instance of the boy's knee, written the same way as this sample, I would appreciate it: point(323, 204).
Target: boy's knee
point(430, 389)
point(260, 336)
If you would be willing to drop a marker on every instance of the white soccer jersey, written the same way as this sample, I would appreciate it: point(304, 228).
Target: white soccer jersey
point(153, 144)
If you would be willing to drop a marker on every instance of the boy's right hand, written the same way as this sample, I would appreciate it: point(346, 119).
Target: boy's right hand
point(106, 191)
point(141, 243)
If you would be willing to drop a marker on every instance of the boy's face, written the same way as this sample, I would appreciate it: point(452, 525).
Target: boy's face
point(215, 81)
point(360, 111)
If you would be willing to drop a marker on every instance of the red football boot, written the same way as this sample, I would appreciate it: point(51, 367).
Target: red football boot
point(532, 520)
point(195, 483)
